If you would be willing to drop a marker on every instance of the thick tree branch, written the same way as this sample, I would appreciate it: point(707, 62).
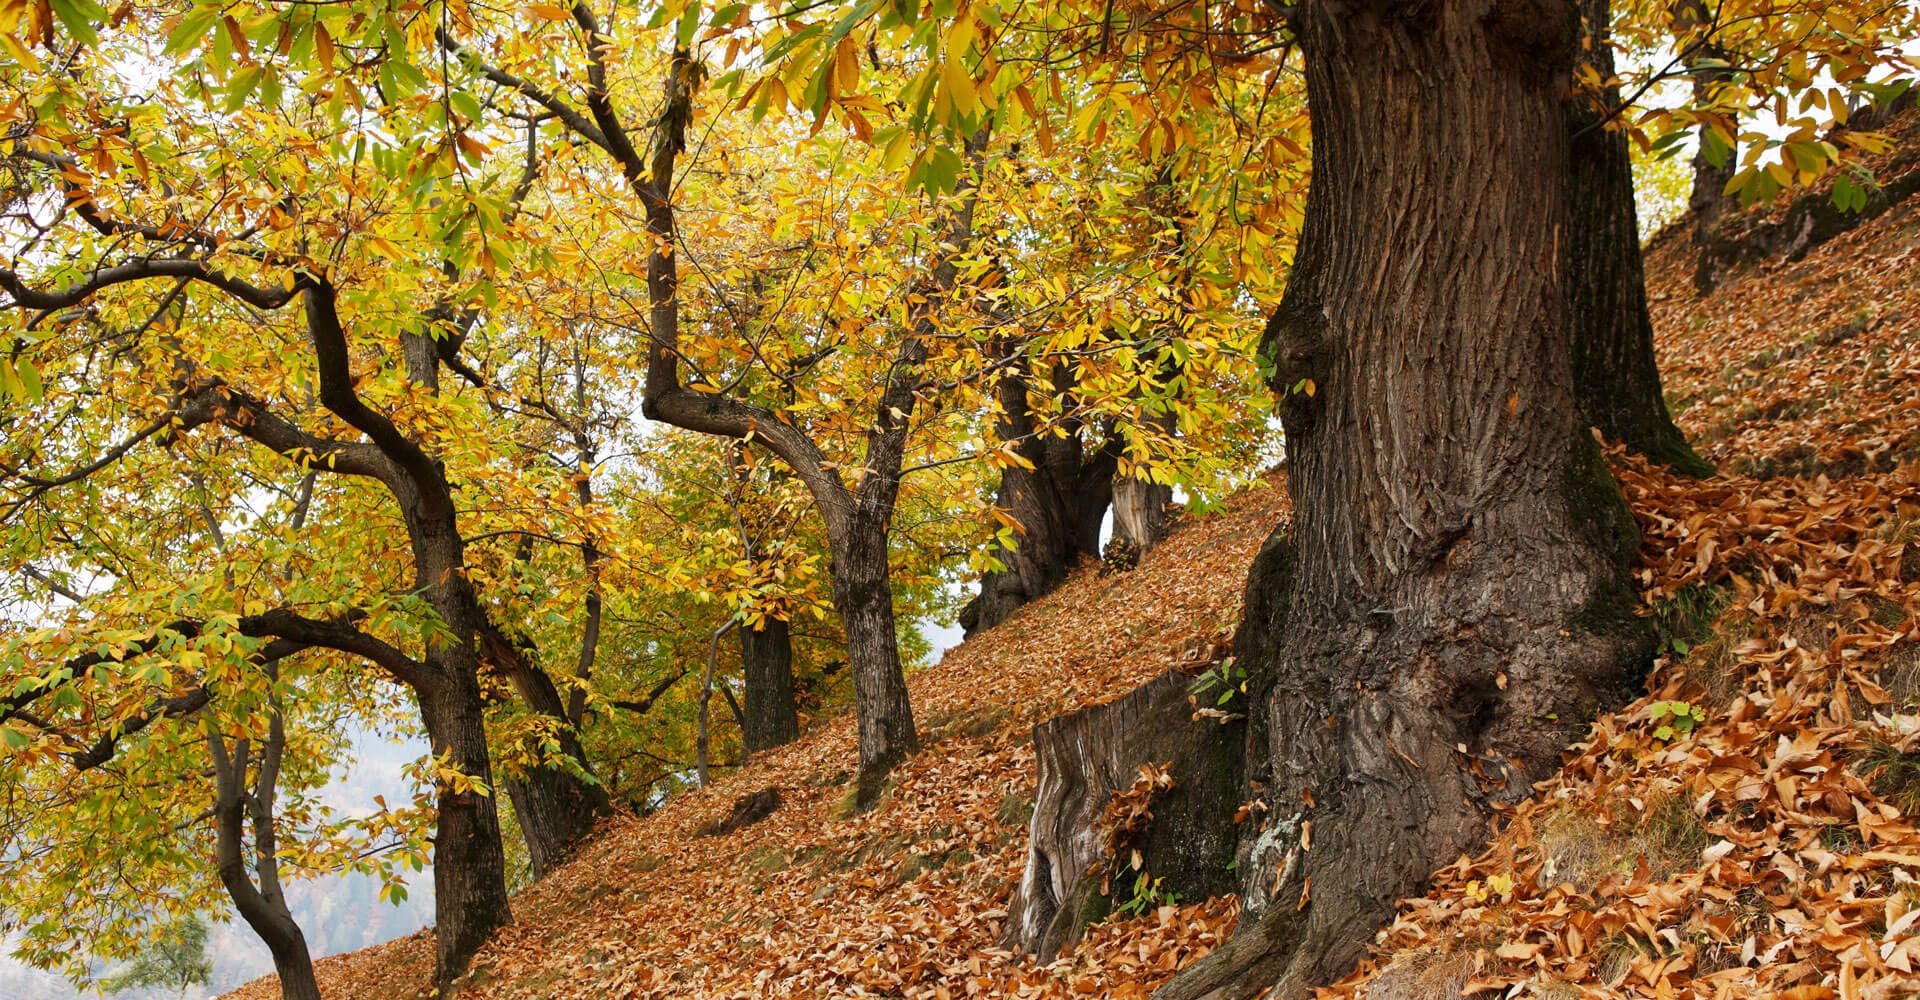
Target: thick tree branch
point(645, 704)
point(886, 441)
point(614, 138)
point(301, 632)
point(337, 395)
point(26, 297)
point(211, 400)
point(195, 699)
point(665, 399)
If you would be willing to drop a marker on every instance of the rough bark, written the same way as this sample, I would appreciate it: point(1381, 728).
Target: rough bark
point(1616, 376)
point(1460, 578)
point(469, 871)
point(771, 716)
point(556, 806)
point(863, 593)
point(1086, 757)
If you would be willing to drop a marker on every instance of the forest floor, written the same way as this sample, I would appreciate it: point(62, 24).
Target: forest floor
point(1769, 851)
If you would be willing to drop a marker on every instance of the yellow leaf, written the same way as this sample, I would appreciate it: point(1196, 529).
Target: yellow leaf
point(958, 84)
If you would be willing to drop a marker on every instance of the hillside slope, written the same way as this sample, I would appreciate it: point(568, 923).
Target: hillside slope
point(907, 899)
point(1763, 853)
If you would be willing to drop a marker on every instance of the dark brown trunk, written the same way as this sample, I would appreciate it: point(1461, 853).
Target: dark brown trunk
point(469, 867)
point(1615, 374)
point(556, 803)
point(1058, 505)
point(863, 594)
point(556, 810)
point(770, 716)
point(264, 905)
point(1459, 607)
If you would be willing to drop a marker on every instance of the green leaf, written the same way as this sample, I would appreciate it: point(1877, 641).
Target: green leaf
point(79, 16)
point(192, 29)
point(29, 379)
point(465, 104)
point(689, 23)
point(14, 738)
point(1714, 146)
point(241, 86)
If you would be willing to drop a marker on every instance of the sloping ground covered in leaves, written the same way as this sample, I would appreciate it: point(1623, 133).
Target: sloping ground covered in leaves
point(906, 900)
point(1746, 830)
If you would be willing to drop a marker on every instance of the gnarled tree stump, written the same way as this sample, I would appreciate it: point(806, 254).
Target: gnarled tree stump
point(1084, 758)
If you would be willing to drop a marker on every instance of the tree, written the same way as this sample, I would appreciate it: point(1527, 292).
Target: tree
point(1054, 493)
point(857, 514)
point(1715, 149)
point(129, 262)
point(242, 801)
point(1105, 408)
point(857, 508)
point(1456, 600)
point(1616, 377)
point(177, 961)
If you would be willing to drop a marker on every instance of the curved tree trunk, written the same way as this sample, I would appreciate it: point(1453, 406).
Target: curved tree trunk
point(1460, 579)
point(1615, 374)
point(262, 906)
point(770, 716)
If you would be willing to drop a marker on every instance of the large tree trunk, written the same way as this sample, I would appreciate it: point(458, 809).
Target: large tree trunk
point(863, 594)
point(1615, 374)
point(469, 867)
point(1461, 563)
point(556, 811)
point(1058, 505)
point(766, 656)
